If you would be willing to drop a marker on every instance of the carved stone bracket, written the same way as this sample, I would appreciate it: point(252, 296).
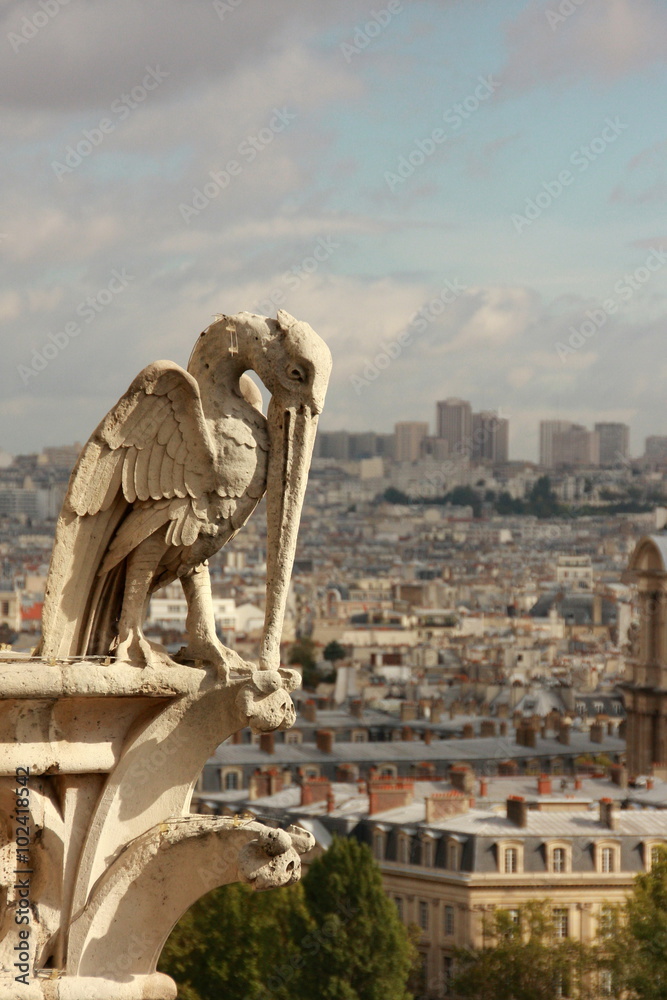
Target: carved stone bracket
point(113, 755)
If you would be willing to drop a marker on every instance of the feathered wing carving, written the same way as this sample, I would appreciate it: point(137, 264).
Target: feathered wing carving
point(152, 455)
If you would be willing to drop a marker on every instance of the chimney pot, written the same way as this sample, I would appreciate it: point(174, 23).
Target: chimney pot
point(324, 739)
point(517, 810)
point(267, 742)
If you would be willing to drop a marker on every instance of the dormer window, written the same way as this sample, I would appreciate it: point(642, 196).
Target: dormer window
point(510, 860)
point(607, 857)
point(559, 858)
point(509, 856)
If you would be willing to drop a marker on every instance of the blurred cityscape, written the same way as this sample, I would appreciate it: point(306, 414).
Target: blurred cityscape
point(467, 629)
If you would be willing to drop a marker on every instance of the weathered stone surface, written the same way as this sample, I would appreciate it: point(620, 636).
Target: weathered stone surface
point(103, 735)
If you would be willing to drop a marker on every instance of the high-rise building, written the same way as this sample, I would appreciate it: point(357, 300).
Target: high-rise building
point(454, 425)
point(576, 447)
point(547, 430)
point(490, 437)
point(614, 443)
point(656, 449)
point(408, 439)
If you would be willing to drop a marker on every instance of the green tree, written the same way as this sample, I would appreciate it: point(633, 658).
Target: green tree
point(523, 958)
point(303, 653)
point(542, 501)
point(334, 651)
point(640, 950)
point(231, 941)
point(354, 945)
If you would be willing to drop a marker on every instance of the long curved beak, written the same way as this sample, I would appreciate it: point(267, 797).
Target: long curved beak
point(291, 439)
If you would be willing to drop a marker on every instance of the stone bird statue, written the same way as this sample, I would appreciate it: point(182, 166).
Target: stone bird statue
point(170, 475)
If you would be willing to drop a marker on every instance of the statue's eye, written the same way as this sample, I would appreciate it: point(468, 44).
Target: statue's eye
point(296, 373)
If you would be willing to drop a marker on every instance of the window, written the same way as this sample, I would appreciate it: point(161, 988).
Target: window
point(515, 917)
point(657, 852)
point(606, 983)
point(606, 921)
point(293, 737)
point(561, 923)
point(427, 852)
point(360, 736)
point(447, 972)
point(423, 914)
point(231, 781)
point(511, 860)
point(311, 772)
point(399, 906)
point(607, 860)
point(558, 860)
point(404, 849)
point(5, 607)
point(449, 920)
point(453, 857)
point(599, 707)
point(378, 845)
point(387, 771)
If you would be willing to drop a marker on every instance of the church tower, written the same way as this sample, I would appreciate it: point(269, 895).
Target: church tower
point(645, 684)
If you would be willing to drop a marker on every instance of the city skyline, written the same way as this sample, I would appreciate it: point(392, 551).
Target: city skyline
point(461, 199)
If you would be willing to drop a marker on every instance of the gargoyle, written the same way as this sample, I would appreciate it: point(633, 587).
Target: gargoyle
point(170, 475)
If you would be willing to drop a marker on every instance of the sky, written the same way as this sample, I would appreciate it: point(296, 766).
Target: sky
point(463, 198)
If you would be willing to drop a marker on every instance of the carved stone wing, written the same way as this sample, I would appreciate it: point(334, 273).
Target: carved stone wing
point(153, 444)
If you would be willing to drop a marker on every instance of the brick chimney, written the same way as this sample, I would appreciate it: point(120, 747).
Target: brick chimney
point(619, 775)
point(309, 711)
point(609, 814)
point(578, 784)
point(544, 784)
point(324, 739)
point(436, 711)
point(440, 805)
point(408, 711)
point(564, 732)
point(503, 728)
point(517, 810)
point(407, 734)
point(528, 736)
point(487, 727)
point(385, 794)
point(258, 785)
point(468, 731)
point(428, 736)
point(462, 778)
point(483, 788)
point(267, 742)
point(314, 790)
point(357, 708)
point(597, 732)
point(331, 801)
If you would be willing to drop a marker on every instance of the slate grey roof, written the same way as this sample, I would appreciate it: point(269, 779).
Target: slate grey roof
point(482, 748)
